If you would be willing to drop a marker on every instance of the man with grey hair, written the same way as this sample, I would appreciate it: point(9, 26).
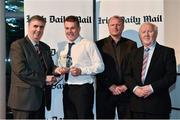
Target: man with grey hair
point(111, 92)
point(150, 74)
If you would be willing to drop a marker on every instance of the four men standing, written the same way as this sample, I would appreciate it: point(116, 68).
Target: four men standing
point(129, 82)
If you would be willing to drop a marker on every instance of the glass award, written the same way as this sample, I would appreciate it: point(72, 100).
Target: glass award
point(68, 61)
point(65, 61)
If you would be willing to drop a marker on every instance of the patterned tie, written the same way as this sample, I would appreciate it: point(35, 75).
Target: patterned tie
point(37, 48)
point(145, 59)
point(69, 59)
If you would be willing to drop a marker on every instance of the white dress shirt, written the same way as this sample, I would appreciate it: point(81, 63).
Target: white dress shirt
point(86, 56)
point(151, 51)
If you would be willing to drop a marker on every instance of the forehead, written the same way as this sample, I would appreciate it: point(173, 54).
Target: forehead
point(112, 20)
point(37, 22)
point(70, 24)
point(147, 27)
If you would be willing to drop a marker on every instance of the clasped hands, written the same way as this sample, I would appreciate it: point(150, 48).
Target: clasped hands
point(117, 89)
point(143, 91)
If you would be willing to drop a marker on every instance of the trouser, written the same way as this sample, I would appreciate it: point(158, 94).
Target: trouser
point(106, 106)
point(138, 115)
point(78, 101)
point(21, 114)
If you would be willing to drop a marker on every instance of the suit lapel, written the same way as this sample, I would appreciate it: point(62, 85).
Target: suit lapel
point(154, 58)
point(44, 55)
point(31, 48)
point(139, 62)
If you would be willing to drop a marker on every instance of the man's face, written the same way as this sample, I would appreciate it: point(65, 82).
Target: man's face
point(147, 35)
point(35, 30)
point(115, 27)
point(71, 30)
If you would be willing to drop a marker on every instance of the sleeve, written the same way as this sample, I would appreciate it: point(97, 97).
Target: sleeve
point(21, 68)
point(97, 65)
point(169, 76)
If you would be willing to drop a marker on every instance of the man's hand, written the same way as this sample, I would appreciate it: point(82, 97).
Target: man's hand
point(147, 89)
point(143, 91)
point(50, 79)
point(120, 89)
point(75, 71)
point(117, 89)
point(61, 70)
point(139, 92)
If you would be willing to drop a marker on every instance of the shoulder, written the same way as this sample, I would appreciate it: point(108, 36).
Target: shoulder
point(18, 42)
point(86, 42)
point(164, 48)
point(103, 41)
point(44, 45)
point(128, 41)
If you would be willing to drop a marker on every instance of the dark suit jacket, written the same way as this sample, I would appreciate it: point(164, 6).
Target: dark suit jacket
point(28, 76)
point(112, 73)
point(161, 75)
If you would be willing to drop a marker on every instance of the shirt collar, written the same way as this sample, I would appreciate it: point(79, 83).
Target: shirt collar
point(152, 46)
point(34, 43)
point(77, 40)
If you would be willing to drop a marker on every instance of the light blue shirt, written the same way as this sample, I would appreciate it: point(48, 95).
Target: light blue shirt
point(151, 51)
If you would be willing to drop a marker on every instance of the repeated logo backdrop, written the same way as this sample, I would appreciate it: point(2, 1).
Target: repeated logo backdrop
point(135, 13)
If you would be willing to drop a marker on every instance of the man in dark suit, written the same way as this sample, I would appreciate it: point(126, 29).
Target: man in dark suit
point(111, 93)
point(31, 77)
point(151, 71)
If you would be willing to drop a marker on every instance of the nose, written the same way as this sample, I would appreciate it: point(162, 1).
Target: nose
point(146, 33)
point(38, 29)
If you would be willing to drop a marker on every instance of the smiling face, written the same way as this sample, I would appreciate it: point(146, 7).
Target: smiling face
point(36, 30)
point(72, 30)
point(148, 33)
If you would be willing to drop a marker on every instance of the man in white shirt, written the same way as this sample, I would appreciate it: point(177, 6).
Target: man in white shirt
point(84, 62)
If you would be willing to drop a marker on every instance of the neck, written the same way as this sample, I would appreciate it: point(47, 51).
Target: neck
point(116, 38)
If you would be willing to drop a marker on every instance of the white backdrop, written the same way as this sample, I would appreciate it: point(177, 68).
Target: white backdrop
point(135, 12)
point(55, 11)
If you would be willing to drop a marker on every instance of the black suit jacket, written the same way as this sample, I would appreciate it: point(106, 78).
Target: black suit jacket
point(113, 69)
point(161, 75)
point(28, 76)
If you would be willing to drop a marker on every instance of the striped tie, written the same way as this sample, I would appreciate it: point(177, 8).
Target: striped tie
point(37, 48)
point(145, 59)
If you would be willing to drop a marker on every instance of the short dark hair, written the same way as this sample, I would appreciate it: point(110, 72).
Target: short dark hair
point(37, 17)
point(72, 18)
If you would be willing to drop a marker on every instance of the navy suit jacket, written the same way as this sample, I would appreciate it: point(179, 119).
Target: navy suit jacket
point(161, 75)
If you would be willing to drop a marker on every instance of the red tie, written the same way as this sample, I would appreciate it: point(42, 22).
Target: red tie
point(144, 67)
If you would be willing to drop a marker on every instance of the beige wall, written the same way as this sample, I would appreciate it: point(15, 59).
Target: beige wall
point(172, 26)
